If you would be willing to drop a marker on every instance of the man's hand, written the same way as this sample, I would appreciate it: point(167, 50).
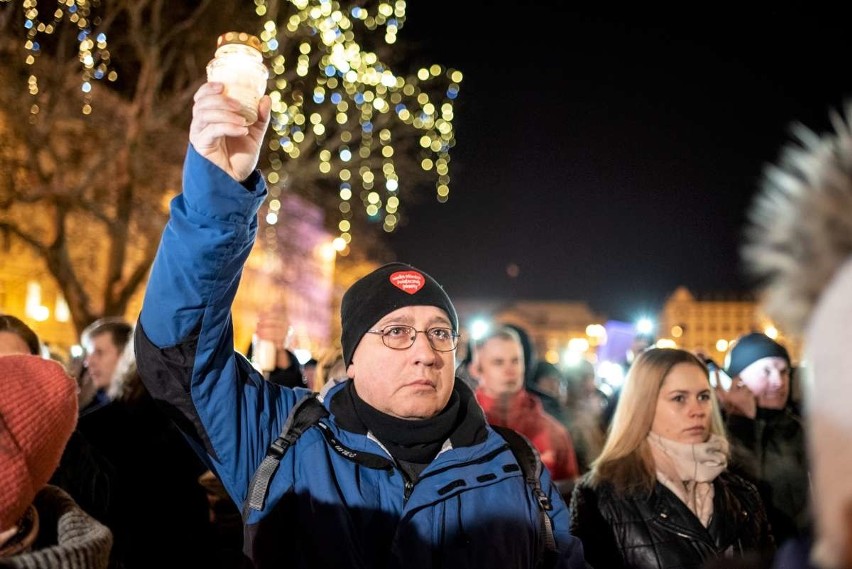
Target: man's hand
point(739, 400)
point(272, 326)
point(218, 131)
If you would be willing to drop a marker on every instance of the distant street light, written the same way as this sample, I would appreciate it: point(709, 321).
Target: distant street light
point(478, 329)
point(644, 326)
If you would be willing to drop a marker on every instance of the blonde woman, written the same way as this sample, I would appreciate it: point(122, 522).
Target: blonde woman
point(659, 495)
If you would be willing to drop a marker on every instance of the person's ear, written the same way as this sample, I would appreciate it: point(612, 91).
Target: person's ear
point(350, 370)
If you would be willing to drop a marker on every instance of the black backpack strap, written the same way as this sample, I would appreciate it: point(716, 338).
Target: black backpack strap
point(305, 414)
point(530, 462)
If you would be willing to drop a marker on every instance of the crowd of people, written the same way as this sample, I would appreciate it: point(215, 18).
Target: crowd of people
point(166, 445)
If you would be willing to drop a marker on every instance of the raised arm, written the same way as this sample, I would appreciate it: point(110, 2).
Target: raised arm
point(213, 221)
point(185, 344)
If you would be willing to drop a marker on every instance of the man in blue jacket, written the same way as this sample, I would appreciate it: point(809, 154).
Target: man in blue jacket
point(403, 471)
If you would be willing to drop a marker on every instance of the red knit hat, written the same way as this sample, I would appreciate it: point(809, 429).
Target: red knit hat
point(38, 413)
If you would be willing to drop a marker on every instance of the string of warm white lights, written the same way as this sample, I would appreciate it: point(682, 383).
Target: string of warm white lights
point(92, 51)
point(351, 111)
point(361, 95)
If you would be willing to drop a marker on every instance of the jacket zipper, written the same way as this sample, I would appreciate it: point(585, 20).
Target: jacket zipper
point(408, 485)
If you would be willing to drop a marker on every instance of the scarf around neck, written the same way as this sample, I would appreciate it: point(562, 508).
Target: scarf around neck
point(58, 533)
point(688, 470)
point(407, 439)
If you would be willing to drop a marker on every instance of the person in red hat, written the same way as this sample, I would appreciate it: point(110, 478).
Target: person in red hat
point(83, 471)
point(41, 525)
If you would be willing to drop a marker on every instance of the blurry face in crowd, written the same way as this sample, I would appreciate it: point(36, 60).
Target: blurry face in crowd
point(589, 387)
point(769, 381)
point(415, 383)
point(102, 359)
point(551, 385)
point(309, 373)
point(499, 367)
point(684, 407)
point(11, 343)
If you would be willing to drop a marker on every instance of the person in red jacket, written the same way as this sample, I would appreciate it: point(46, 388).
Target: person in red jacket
point(498, 364)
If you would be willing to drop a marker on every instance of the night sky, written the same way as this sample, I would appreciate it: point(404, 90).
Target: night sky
point(611, 156)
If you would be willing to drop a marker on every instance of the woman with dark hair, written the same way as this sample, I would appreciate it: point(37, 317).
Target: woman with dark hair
point(41, 526)
point(659, 495)
point(16, 337)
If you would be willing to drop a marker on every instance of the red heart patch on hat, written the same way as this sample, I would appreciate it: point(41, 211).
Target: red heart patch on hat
point(408, 281)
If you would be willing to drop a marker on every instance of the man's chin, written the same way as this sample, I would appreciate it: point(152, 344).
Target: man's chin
point(773, 402)
point(415, 414)
point(424, 406)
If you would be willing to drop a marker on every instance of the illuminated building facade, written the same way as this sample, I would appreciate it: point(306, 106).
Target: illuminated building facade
point(555, 328)
point(710, 324)
point(28, 292)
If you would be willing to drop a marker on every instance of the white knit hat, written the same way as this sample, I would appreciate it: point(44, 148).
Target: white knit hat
point(799, 246)
point(829, 421)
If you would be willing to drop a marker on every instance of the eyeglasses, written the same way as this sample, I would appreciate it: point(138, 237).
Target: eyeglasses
point(401, 337)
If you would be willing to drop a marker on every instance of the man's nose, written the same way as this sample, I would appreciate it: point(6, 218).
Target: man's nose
point(775, 379)
point(422, 346)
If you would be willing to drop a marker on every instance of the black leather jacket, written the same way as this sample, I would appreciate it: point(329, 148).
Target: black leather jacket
point(659, 531)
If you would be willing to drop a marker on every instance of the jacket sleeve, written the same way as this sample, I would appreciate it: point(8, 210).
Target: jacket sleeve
point(570, 548)
point(185, 343)
point(588, 524)
point(761, 528)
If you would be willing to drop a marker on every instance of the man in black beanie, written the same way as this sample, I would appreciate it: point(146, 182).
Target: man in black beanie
point(763, 366)
point(391, 308)
point(397, 463)
point(767, 437)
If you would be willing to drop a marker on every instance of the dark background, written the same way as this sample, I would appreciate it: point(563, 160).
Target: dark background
point(611, 155)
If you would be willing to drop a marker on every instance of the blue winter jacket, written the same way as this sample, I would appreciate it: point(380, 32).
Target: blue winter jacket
point(470, 507)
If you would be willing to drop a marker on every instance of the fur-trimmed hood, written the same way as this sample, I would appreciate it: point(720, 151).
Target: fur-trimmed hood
point(799, 229)
point(799, 246)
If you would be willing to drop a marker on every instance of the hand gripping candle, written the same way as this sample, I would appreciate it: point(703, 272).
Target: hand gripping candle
point(238, 64)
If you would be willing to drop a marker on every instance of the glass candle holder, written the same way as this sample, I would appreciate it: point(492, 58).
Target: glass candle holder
point(238, 64)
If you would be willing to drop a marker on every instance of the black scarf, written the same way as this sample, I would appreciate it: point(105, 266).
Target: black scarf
point(467, 422)
point(410, 440)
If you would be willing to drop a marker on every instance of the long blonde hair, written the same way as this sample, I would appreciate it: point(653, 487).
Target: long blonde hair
point(626, 461)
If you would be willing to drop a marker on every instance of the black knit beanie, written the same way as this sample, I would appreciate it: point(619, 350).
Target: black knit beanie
point(386, 289)
point(750, 348)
